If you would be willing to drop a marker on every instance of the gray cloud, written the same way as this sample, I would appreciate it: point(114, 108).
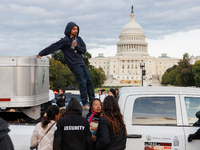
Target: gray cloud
point(29, 26)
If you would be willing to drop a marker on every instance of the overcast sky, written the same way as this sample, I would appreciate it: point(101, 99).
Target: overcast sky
point(170, 26)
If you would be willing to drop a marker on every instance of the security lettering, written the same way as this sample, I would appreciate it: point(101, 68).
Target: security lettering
point(74, 128)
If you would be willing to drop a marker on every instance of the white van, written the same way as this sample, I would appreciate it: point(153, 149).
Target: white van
point(160, 118)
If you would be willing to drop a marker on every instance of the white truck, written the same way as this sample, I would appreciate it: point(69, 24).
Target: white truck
point(160, 118)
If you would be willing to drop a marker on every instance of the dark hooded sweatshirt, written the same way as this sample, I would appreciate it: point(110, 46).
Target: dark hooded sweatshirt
point(73, 130)
point(5, 141)
point(72, 58)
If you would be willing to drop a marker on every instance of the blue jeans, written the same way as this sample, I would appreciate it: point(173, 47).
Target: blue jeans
point(85, 83)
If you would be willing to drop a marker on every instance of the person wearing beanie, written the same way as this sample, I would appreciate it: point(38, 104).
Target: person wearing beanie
point(112, 92)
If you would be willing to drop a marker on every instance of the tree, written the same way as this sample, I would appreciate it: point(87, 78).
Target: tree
point(181, 74)
point(185, 70)
point(185, 62)
point(102, 76)
point(86, 58)
point(196, 72)
point(171, 68)
point(60, 75)
point(165, 78)
point(172, 76)
point(97, 75)
point(178, 80)
point(58, 55)
point(186, 77)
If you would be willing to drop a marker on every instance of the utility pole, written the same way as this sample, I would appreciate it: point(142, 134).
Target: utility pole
point(143, 69)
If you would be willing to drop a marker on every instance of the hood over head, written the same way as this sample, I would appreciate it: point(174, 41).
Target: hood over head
point(74, 107)
point(3, 128)
point(68, 28)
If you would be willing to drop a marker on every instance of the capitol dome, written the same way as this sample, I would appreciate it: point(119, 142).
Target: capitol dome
point(132, 39)
point(132, 26)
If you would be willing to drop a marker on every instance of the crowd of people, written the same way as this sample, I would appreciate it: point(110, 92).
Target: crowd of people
point(112, 92)
point(103, 127)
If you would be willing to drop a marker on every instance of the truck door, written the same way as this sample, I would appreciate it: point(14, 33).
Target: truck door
point(154, 122)
point(190, 108)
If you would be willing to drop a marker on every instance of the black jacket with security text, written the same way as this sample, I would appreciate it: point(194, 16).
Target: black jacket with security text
point(73, 130)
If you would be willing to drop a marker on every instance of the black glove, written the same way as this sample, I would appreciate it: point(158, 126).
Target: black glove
point(190, 137)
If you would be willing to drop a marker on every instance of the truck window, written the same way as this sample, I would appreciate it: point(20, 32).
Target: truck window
point(154, 111)
point(193, 107)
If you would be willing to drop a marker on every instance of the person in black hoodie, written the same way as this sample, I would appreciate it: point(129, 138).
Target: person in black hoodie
point(93, 116)
point(73, 130)
point(73, 47)
point(5, 141)
point(111, 132)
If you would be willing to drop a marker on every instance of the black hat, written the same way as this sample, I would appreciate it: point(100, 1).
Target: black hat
point(103, 90)
point(198, 114)
point(113, 92)
point(116, 89)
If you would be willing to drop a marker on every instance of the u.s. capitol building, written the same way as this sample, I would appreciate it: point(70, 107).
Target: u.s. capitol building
point(132, 51)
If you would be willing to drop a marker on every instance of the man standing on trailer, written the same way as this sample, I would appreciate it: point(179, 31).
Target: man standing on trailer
point(73, 47)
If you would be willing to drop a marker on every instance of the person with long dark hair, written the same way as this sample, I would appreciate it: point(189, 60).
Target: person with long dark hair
point(93, 116)
point(40, 134)
point(111, 132)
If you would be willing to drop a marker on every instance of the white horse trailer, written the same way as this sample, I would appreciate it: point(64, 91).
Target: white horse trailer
point(24, 84)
